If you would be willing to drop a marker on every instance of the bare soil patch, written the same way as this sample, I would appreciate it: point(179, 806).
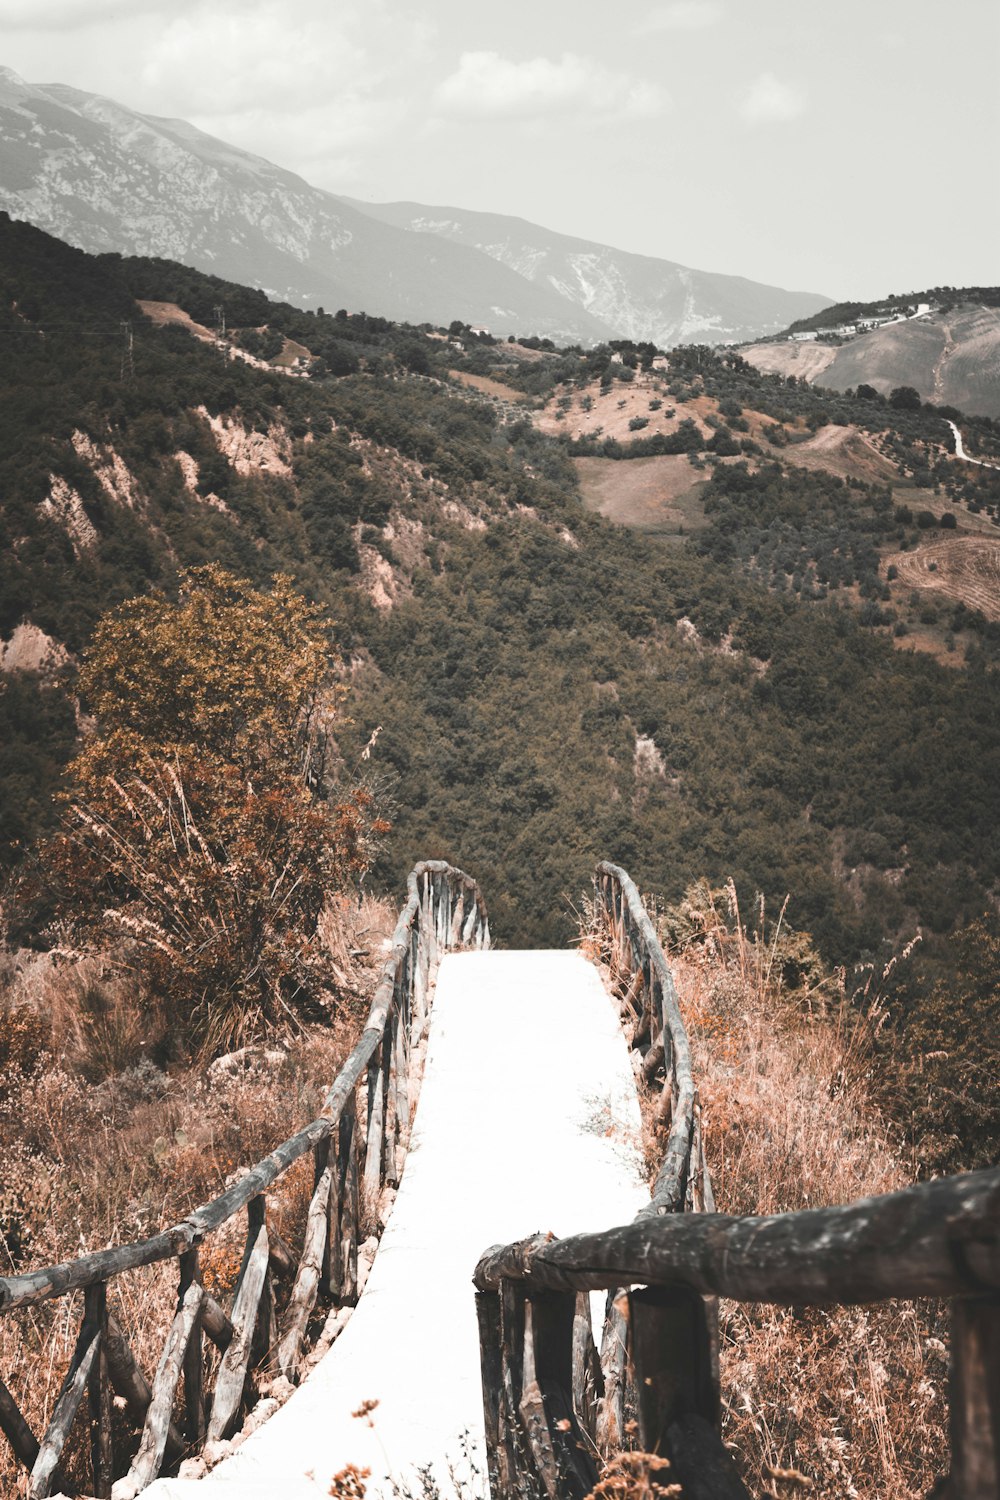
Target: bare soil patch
point(290, 352)
point(966, 568)
point(845, 451)
point(487, 386)
point(168, 312)
point(658, 494)
point(806, 361)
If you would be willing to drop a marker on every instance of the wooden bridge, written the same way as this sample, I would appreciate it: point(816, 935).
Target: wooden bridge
point(528, 1121)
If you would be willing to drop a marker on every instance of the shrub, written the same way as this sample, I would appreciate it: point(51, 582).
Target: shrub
point(200, 827)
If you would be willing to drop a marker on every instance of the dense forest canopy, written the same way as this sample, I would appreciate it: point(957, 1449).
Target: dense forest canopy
point(552, 688)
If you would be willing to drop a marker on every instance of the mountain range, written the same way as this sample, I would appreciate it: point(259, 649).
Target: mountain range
point(107, 178)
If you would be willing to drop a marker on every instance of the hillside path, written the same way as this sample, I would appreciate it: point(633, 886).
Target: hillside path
point(961, 453)
point(528, 1120)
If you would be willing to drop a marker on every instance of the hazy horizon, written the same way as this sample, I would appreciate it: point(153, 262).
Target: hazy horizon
point(831, 151)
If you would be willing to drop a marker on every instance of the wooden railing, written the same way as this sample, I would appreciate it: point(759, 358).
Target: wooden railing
point(553, 1409)
point(358, 1143)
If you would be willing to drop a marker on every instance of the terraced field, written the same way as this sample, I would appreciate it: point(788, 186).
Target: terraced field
point(966, 568)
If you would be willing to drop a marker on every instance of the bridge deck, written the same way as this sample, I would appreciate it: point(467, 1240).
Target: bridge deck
point(525, 1057)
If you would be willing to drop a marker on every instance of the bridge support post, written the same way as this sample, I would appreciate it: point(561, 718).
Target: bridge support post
point(975, 1399)
point(673, 1342)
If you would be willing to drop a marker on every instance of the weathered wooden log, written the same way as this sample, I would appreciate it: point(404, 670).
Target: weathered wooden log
point(672, 1355)
point(148, 1460)
point(455, 925)
point(402, 1096)
point(307, 1280)
point(331, 1275)
point(349, 1208)
point(99, 1397)
point(67, 1404)
point(101, 1265)
point(129, 1382)
point(588, 1381)
point(284, 1262)
point(500, 1455)
point(260, 1177)
point(515, 1454)
point(975, 1399)
point(234, 1365)
point(652, 1062)
point(194, 1363)
point(216, 1323)
point(700, 1461)
point(376, 1132)
point(938, 1239)
point(265, 1336)
point(610, 1427)
point(16, 1429)
point(552, 1429)
point(390, 1129)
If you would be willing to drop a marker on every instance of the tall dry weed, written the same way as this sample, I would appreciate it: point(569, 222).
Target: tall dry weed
point(838, 1401)
point(99, 1145)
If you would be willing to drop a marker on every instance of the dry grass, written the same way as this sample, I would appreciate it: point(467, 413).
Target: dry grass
point(100, 1146)
point(851, 1400)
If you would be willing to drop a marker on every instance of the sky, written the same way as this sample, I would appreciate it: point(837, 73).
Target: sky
point(846, 147)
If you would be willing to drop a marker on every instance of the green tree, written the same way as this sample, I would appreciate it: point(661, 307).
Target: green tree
point(201, 830)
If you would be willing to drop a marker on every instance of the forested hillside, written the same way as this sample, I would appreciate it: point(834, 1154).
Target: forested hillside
point(551, 687)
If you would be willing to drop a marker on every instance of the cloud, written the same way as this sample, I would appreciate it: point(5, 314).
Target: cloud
point(681, 15)
point(57, 15)
point(488, 86)
point(771, 100)
point(227, 60)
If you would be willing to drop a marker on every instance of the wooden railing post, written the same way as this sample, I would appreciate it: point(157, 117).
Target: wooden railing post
point(251, 1288)
point(16, 1429)
point(347, 1162)
point(562, 1457)
point(975, 1398)
point(588, 1380)
point(194, 1365)
point(501, 1457)
point(77, 1377)
point(674, 1359)
point(99, 1396)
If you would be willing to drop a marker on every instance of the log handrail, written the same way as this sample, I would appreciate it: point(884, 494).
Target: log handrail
point(358, 1140)
point(937, 1239)
point(544, 1406)
point(634, 949)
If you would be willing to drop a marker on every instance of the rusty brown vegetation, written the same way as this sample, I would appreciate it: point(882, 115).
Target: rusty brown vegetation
point(100, 1146)
point(836, 1401)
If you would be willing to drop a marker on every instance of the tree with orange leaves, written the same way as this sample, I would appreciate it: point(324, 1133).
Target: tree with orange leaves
point(201, 831)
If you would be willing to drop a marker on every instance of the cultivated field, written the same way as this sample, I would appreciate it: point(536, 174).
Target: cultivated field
point(966, 568)
point(487, 386)
point(659, 494)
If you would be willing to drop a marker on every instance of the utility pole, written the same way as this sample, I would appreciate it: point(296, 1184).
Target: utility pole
point(220, 328)
point(128, 363)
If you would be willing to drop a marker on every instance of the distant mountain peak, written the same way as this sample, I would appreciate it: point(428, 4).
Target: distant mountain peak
point(104, 177)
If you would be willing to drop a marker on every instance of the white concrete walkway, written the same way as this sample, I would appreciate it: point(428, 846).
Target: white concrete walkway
point(528, 1120)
